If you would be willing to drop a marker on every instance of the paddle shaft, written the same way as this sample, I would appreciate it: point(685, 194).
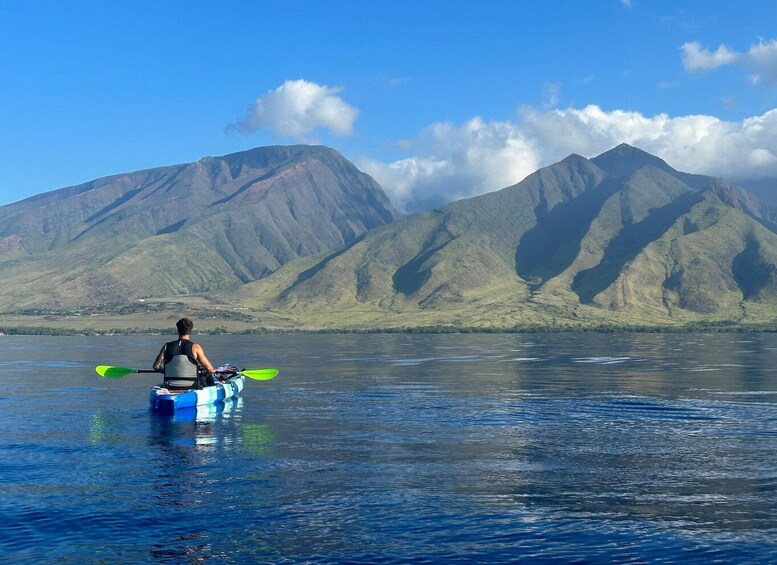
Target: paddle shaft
point(161, 371)
point(219, 372)
point(112, 372)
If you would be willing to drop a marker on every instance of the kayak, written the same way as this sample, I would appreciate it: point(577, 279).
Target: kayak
point(163, 400)
point(204, 412)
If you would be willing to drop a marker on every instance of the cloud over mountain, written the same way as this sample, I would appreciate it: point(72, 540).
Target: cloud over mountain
point(456, 161)
point(297, 108)
point(452, 161)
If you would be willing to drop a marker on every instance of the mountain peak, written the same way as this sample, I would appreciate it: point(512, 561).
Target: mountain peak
point(573, 158)
point(624, 150)
point(624, 160)
point(279, 152)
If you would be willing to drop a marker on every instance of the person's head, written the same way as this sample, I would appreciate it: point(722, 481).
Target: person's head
point(184, 326)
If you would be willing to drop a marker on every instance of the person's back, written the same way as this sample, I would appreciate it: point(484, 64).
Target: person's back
point(181, 359)
point(180, 367)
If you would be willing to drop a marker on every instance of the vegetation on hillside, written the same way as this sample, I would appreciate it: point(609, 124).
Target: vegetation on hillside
point(277, 243)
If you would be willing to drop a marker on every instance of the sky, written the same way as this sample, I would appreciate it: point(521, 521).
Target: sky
point(436, 99)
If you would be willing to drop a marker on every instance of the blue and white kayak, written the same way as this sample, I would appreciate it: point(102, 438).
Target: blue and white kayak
point(163, 400)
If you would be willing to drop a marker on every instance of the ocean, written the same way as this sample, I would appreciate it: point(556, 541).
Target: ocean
point(453, 448)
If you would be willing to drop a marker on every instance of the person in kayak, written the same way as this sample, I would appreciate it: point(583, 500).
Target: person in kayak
point(181, 359)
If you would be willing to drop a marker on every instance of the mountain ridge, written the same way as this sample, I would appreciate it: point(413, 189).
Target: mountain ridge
point(571, 244)
point(618, 240)
point(186, 228)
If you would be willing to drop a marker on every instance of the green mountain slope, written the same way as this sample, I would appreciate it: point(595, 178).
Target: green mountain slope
point(619, 239)
point(183, 229)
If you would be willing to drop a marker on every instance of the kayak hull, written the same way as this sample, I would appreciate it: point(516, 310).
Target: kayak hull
point(163, 401)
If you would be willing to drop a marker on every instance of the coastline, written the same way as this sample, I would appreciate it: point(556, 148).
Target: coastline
point(67, 326)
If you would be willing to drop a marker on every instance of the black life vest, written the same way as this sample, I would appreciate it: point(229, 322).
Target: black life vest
point(181, 369)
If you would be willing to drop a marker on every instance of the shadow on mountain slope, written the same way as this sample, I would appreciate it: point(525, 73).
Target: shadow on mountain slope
point(549, 248)
point(410, 277)
point(631, 240)
point(751, 271)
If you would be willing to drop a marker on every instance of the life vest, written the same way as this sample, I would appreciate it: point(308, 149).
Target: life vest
point(181, 369)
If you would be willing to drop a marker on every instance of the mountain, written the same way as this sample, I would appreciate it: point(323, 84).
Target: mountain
point(622, 238)
point(765, 189)
point(183, 229)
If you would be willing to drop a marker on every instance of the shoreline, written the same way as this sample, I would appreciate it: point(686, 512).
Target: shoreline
point(7, 331)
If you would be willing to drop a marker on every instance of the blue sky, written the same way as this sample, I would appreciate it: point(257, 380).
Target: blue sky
point(436, 99)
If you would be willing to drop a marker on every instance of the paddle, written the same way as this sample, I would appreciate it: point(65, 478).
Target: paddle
point(111, 372)
point(260, 374)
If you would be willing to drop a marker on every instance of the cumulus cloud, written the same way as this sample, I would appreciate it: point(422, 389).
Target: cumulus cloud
point(298, 108)
point(697, 59)
point(454, 161)
point(760, 60)
point(695, 143)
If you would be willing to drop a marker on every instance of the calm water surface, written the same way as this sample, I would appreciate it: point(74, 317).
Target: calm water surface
point(394, 448)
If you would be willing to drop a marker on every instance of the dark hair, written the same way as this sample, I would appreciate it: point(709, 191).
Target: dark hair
point(184, 326)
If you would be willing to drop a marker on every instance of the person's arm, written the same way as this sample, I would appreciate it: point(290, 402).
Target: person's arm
point(199, 355)
point(159, 358)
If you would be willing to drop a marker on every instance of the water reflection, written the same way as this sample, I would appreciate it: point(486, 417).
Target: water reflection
point(204, 427)
point(258, 438)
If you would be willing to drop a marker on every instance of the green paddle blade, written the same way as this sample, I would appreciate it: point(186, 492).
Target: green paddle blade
point(260, 374)
point(111, 372)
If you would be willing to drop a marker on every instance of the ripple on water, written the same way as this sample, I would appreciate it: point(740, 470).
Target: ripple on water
point(564, 448)
point(602, 360)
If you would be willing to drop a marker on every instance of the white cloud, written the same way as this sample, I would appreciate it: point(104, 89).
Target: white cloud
point(456, 161)
point(763, 59)
point(695, 143)
point(297, 108)
point(697, 59)
point(760, 60)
